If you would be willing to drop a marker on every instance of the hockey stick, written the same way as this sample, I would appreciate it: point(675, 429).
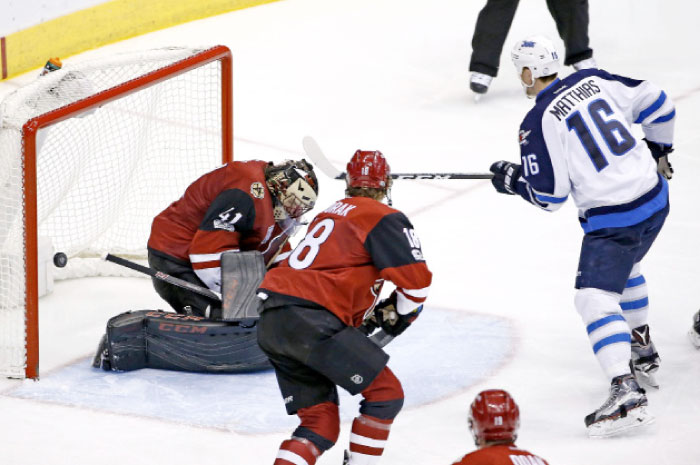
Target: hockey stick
point(381, 338)
point(205, 291)
point(314, 152)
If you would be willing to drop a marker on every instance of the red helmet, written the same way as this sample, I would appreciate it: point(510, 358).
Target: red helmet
point(368, 169)
point(494, 416)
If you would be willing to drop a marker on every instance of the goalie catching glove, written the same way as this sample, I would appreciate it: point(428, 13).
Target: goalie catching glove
point(390, 320)
point(505, 176)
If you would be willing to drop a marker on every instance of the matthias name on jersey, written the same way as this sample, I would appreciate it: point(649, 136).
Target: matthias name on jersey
point(565, 103)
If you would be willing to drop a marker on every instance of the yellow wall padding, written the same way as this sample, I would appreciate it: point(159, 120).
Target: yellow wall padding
point(100, 25)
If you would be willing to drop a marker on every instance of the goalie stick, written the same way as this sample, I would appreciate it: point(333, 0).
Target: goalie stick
point(380, 338)
point(205, 291)
point(314, 152)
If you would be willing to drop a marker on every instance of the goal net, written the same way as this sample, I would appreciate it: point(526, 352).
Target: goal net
point(89, 154)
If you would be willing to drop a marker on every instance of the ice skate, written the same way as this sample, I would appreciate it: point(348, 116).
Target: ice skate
point(479, 84)
point(626, 408)
point(694, 333)
point(645, 360)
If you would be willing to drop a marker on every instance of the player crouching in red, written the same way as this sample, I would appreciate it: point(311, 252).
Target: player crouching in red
point(318, 297)
point(494, 419)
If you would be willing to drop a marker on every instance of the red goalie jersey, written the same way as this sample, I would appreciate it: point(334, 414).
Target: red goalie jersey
point(227, 209)
point(348, 252)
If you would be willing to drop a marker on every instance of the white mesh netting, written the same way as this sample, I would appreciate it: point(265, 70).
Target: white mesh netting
point(102, 174)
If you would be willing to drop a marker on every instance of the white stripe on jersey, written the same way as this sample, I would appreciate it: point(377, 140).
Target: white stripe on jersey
point(211, 277)
point(404, 305)
point(418, 293)
point(208, 257)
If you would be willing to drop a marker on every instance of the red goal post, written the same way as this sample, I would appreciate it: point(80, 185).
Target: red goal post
point(88, 155)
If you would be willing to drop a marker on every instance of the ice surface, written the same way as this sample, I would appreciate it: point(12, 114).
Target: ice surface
point(466, 348)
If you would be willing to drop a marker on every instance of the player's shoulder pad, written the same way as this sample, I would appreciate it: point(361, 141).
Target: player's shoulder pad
point(247, 169)
point(392, 242)
point(586, 74)
point(232, 210)
point(601, 73)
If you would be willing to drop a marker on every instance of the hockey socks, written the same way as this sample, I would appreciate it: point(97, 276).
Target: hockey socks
point(297, 451)
point(635, 299)
point(607, 329)
point(367, 440)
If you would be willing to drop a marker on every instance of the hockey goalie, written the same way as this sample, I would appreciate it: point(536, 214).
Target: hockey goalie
point(229, 226)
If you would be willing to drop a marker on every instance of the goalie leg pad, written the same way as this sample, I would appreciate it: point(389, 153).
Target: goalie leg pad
point(157, 339)
point(125, 347)
point(190, 343)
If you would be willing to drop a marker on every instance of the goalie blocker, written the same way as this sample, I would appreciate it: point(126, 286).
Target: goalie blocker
point(171, 341)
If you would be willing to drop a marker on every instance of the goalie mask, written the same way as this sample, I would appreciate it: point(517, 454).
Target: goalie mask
point(494, 417)
point(294, 187)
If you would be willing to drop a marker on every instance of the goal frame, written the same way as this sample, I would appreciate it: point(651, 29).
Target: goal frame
point(29, 169)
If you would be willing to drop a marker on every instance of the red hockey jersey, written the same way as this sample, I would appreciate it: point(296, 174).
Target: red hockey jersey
point(501, 455)
point(348, 252)
point(229, 208)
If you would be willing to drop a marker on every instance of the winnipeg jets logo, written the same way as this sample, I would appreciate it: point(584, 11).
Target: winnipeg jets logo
point(522, 137)
point(357, 379)
point(227, 220)
point(257, 190)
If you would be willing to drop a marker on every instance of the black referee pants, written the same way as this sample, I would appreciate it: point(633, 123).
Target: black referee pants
point(495, 19)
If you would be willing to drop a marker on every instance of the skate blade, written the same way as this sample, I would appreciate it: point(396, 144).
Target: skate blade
point(694, 338)
point(635, 418)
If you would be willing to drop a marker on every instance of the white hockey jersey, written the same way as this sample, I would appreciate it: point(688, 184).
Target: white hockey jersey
point(577, 141)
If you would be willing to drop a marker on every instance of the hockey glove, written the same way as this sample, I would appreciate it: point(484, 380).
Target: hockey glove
point(369, 325)
point(660, 153)
point(505, 176)
point(390, 320)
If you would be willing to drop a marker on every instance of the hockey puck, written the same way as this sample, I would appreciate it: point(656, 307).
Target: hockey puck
point(60, 259)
